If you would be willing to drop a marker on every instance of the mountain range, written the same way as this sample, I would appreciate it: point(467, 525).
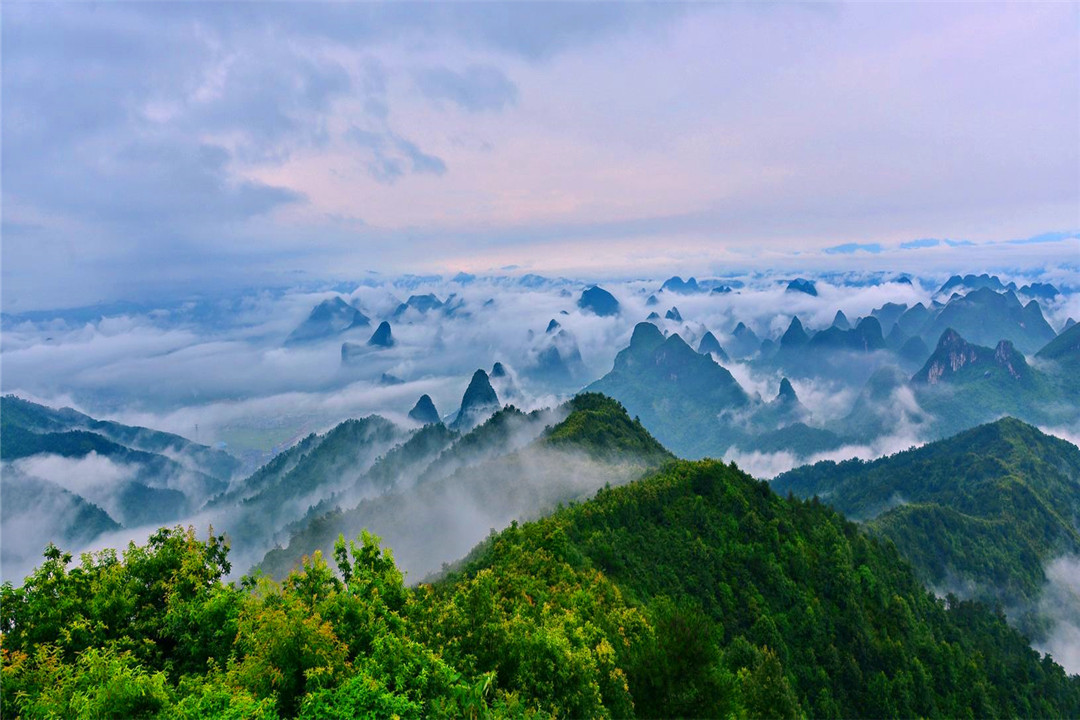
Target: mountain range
point(982, 512)
point(694, 590)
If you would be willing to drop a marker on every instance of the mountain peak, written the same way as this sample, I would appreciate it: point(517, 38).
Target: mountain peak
point(327, 319)
point(599, 301)
point(795, 335)
point(382, 337)
point(553, 326)
point(840, 321)
point(646, 337)
point(479, 400)
point(424, 411)
point(709, 345)
point(420, 303)
point(673, 314)
point(676, 285)
point(787, 392)
point(802, 285)
point(953, 354)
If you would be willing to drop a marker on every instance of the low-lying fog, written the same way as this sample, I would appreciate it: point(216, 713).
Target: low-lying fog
point(224, 372)
point(220, 371)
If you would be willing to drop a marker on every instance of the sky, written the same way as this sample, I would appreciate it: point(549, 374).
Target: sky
point(163, 148)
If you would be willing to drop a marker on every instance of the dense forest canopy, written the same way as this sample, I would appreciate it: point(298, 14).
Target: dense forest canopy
point(696, 591)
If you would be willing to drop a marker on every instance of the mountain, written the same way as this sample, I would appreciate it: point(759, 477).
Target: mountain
point(454, 306)
point(424, 411)
point(673, 314)
point(677, 393)
point(744, 342)
point(36, 512)
point(882, 406)
point(865, 337)
point(39, 419)
point(896, 338)
point(716, 562)
point(795, 336)
point(1065, 348)
point(1043, 291)
point(353, 354)
point(792, 343)
point(986, 509)
point(676, 285)
point(967, 283)
point(696, 407)
point(513, 466)
point(783, 411)
point(67, 476)
point(422, 304)
point(888, 314)
point(840, 321)
point(598, 301)
point(316, 467)
point(985, 317)
point(1060, 358)
point(556, 360)
point(802, 285)
point(651, 301)
point(505, 385)
point(914, 351)
point(962, 385)
point(912, 320)
point(695, 591)
point(957, 360)
point(328, 319)
point(709, 344)
point(382, 337)
point(478, 402)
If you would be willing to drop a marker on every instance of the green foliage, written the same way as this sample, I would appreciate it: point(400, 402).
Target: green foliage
point(695, 592)
point(101, 683)
point(601, 425)
point(988, 507)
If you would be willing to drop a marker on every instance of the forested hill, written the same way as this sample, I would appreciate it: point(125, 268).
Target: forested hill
point(694, 592)
point(987, 508)
point(444, 493)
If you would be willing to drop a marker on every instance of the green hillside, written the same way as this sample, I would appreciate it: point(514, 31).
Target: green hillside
point(1060, 358)
point(988, 507)
point(694, 592)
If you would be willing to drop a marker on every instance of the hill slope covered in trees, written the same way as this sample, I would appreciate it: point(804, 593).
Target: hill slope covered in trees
point(696, 591)
point(986, 509)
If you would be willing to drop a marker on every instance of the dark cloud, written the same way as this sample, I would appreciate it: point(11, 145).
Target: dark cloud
point(478, 88)
point(175, 141)
point(391, 155)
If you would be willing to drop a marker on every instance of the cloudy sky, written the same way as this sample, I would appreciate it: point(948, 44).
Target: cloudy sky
point(169, 147)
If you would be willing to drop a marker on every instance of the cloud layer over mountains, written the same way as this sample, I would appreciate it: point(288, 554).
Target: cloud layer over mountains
point(223, 365)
